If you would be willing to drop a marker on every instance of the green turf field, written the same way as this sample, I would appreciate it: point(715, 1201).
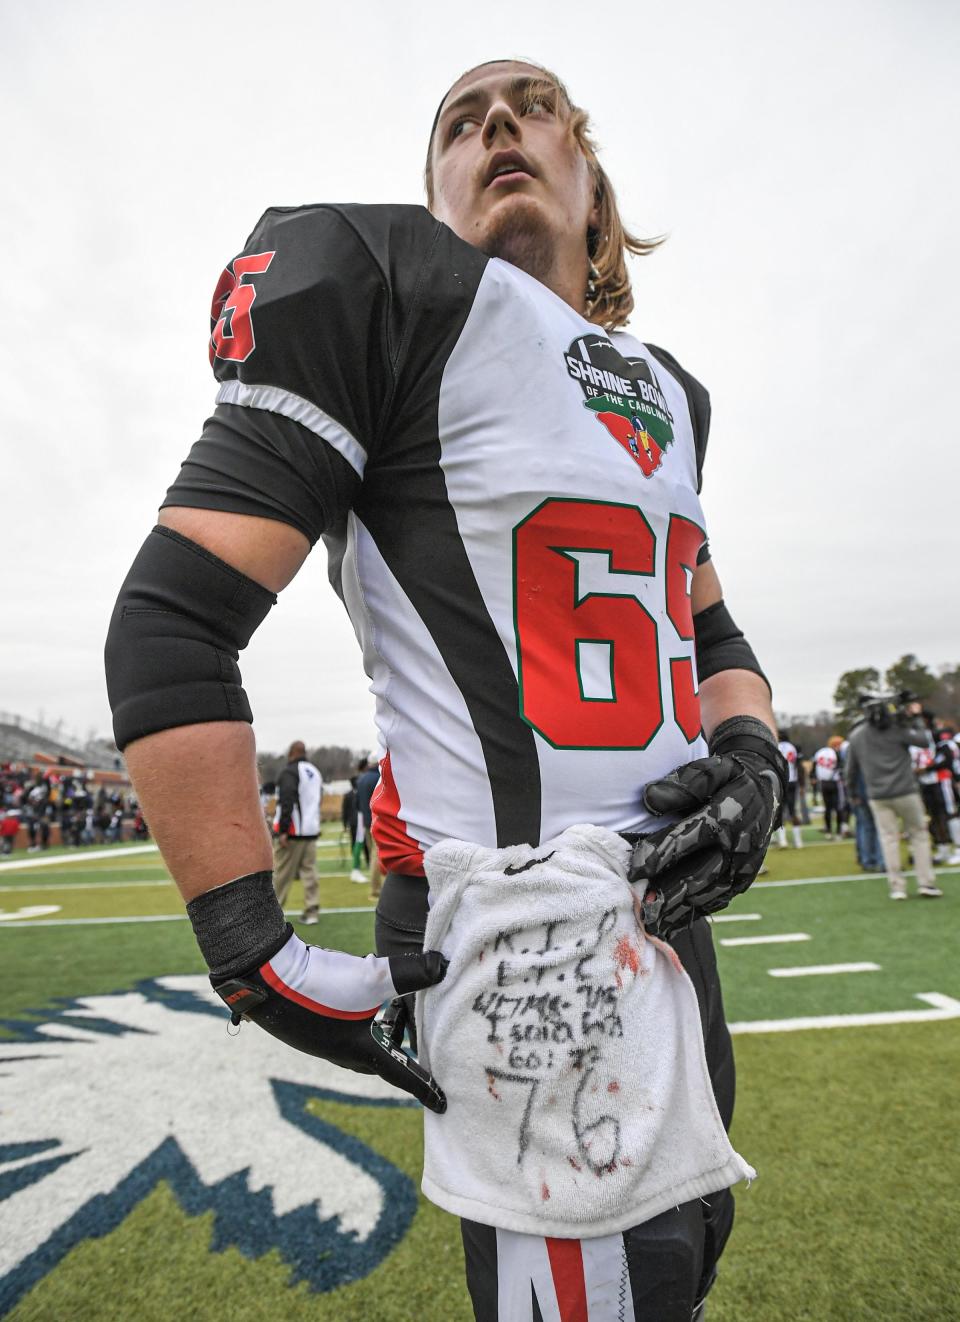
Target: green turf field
point(848, 1097)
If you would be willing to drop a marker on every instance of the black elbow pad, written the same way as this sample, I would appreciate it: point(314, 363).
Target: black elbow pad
point(721, 645)
point(182, 617)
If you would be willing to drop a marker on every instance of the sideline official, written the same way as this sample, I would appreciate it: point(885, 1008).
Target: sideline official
point(296, 826)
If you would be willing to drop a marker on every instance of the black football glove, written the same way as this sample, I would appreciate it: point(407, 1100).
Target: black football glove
point(729, 804)
point(325, 1002)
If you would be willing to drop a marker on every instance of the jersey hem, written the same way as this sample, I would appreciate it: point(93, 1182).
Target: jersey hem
point(528, 1223)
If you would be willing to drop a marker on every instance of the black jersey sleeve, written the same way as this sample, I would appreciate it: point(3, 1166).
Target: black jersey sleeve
point(252, 461)
point(308, 326)
point(697, 398)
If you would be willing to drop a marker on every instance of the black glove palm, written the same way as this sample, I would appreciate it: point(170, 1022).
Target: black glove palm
point(729, 804)
point(326, 1003)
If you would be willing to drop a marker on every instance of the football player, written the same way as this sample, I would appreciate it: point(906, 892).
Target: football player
point(508, 487)
point(826, 763)
point(788, 751)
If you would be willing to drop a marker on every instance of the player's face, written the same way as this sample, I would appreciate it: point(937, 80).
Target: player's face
point(498, 156)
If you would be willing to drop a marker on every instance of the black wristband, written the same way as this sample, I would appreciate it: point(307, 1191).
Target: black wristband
point(721, 645)
point(239, 926)
point(748, 734)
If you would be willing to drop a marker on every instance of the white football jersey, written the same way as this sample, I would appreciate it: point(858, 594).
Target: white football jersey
point(826, 764)
point(922, 759)
point(509, 497)
point(305, 818)
point(789, 754)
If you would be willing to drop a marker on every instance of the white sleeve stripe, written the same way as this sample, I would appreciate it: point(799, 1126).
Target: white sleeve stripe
point(292, 406)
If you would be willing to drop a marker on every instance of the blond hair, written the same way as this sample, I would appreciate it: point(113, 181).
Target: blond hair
point(609, 296)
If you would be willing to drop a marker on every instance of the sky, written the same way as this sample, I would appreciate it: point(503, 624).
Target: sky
point(801, 160)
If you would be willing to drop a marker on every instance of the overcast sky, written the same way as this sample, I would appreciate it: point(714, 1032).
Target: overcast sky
point(802, 159)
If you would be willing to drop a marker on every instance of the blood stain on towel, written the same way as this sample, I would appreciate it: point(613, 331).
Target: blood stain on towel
point(544, 1191)
point(575, 1164)
point(613, 1086)
point(491, 1087)
point(626, 954)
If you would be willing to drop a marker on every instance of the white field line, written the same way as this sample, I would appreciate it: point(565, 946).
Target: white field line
point(153, 918)
point(780, 939)
point(827, 881)
point(72, 886)
point(51, 862)
point(84, 855)
point(29, 911)
point(809, 970)
point(729, 917)
point(943, 1007)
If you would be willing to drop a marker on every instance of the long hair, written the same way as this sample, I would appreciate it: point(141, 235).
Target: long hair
point(609, 297)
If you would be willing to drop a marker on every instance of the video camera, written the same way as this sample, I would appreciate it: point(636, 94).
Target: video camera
point(885, 709)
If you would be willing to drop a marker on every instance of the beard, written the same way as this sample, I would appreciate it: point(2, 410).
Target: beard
point(519, 234)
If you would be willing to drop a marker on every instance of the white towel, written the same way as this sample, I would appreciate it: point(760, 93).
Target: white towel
point(567, 1042)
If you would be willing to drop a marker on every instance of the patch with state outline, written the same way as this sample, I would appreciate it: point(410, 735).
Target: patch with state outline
point(624, 395)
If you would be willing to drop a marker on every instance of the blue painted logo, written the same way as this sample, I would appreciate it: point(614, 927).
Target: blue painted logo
point(110, 1095)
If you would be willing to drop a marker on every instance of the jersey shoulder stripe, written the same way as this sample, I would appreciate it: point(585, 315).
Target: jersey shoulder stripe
point(298, 409)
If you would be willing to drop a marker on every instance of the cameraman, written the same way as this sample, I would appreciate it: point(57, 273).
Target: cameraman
point(880, 751)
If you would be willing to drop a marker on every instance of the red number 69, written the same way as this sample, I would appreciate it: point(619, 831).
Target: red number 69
point(558, 625)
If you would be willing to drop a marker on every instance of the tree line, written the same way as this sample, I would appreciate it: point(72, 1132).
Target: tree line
point(939, 691)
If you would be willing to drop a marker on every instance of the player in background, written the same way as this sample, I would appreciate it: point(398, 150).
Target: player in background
point(921, 756)
point(826, 768)
point(788, 752)
point(296, 829)
point(946, 758)
point(450, 400)
point(841, 747)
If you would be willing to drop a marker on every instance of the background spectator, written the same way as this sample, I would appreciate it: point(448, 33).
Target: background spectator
point(879, 748)
point(789, 752)
point(296, 827)
point(366, 784)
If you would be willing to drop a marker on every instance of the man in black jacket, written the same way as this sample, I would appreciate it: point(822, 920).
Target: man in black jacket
point(367, 783)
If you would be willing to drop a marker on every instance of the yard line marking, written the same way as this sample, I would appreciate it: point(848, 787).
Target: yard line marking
point(159, 918)
point(83, 854)
point(122, 852)
point(820, 881)
point(728, 917)
point(96, 922)
point(81, 886)
point(29, 911)
point(943, 1007)
point(782, 938)
point(826, 881)
point(807, 970)
point(71, 886)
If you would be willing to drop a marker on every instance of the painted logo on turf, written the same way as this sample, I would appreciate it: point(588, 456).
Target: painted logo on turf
point(113, 1094)
point(624, 395)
